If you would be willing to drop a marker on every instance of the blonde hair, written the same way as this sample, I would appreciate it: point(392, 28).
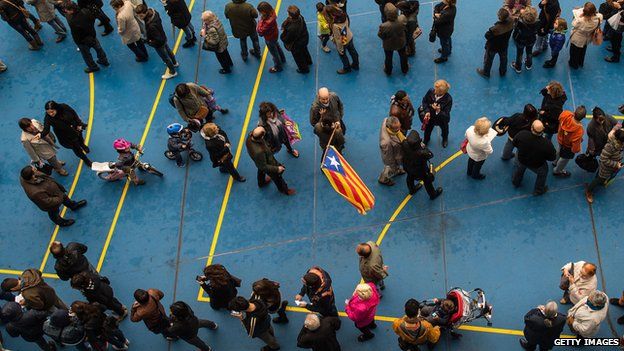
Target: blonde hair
point(529, 15)
point(208, 16)
point(441, 86)
point(210, 129)
point(482, 126)
point(364, 291)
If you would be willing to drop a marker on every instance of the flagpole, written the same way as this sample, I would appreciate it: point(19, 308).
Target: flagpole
point(331, 137)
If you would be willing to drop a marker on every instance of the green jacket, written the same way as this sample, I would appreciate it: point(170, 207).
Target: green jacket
point(242, 18)
point(262, 156)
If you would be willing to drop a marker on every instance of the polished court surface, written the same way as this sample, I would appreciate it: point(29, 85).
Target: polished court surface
point(483, 234)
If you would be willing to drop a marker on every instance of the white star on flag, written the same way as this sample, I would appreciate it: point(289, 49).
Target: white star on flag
point(333, 162)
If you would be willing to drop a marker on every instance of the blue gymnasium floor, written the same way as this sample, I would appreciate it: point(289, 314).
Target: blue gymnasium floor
point(478, 234)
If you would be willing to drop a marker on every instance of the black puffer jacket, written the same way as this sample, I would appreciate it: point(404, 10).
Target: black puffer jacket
point(63, 329)
point(179, 13)
point(72, 262)
point(416, 156)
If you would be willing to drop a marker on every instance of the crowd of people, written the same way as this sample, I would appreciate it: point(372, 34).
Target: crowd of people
point(34, 311)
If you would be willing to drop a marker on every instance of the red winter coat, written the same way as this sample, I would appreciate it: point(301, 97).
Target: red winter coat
point(570, 132)
point(267, 28)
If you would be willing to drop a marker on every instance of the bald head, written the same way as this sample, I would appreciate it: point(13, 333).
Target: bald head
point(258, 133)
point(323, 96)
point(537, 127)
point(363, 250)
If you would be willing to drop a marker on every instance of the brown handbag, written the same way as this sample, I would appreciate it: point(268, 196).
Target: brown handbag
point(564, 284)
point(202, 113)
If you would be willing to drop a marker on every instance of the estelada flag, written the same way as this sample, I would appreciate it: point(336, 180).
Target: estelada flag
point(346, 182)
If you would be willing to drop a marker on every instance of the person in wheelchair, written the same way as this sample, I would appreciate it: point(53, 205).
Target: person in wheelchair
point(126, 159)
point(178, 142)
point(438, 311)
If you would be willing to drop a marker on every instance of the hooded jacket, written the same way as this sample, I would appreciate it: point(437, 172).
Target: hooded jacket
point(552, 108)
point(242, 18)
point(64, 329)
point(570, 134)
point(154, 31)
point(393, 30)
point(598, 133)
point(416, 156)
point(72, 262)
point(497, 37)
point(362, 312)
point(28, 325)
point(37, 294)
point(321, 339)
point(322, 300)
point(426, 334)
point(610, 156)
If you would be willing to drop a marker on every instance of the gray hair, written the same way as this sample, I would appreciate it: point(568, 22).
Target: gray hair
point(597, 298)
point(391, 120)
point(312, 322)
point(550, 309)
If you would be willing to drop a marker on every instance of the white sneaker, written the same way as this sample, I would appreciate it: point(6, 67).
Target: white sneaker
point(177, 64)
point(169, 75)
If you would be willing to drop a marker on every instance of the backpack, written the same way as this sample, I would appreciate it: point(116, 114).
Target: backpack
point(587, 162)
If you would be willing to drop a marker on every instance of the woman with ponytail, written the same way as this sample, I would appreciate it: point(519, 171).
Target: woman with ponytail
point(542, 325)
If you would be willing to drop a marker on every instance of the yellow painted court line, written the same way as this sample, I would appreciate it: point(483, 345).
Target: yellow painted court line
point(398, 210)
point(78, 170)
point(473, 328)
point(239, 149)
point(146, 130)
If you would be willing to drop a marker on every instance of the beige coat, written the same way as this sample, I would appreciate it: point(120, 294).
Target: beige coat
point(45, 9)
point(580, 288)
point(336, 29)
point(390, 145)
point(587, 321)
point(583, 29)
point(127, 25)
point(41, 149)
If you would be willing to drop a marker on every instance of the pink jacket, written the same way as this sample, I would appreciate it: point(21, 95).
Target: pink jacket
point(363, 312)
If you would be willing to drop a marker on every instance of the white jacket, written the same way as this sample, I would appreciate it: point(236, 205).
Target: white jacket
point(587, 321)
point(580, 288)
point(479, 147)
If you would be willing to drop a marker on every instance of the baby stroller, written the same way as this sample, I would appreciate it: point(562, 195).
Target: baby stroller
point(469, 305)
